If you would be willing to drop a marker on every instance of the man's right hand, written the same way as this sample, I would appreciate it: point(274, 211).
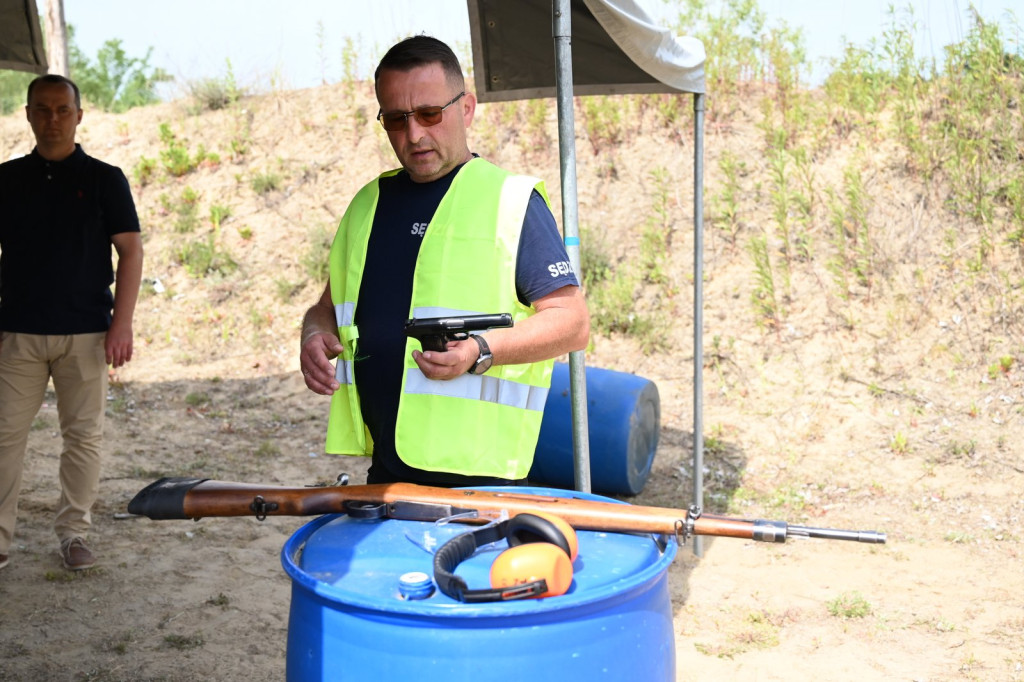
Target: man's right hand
point(318, 349)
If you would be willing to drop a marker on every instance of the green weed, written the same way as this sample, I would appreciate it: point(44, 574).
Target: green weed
point(218, 214)
point(185, 642)
point(725, 203)
point(265, 182)
point(144, 171)
point(216, 93)
point(203, 257)
point(315, 260)
point(849, 605)
point(766, 303)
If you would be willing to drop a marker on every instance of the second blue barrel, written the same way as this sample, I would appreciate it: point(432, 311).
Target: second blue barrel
point(624, 416)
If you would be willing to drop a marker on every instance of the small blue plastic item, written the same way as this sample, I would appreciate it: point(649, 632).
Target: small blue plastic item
point(415, 585)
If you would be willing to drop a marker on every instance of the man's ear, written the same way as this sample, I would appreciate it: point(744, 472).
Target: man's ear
point(468, 103)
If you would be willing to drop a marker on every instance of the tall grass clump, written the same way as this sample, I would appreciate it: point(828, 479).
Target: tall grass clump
point(854, 90)
point(733, 29)
point(853, 257)
point(767, 309)
point(656, 240)
point(725, 203)
point(911, 82)
point(612, 294)
point(216, 93)
point(981, 124)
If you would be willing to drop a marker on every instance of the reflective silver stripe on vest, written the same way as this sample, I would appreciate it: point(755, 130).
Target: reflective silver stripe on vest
point(473, 387)
point(344, 316)
point(343, 313)
point(343, 372)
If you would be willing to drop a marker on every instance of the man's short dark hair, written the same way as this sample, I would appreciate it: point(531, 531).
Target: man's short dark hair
point(419, 51)
point(54, 79)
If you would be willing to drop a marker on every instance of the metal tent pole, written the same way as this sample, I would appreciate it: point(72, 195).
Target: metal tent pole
point(562, 33)
point(698, 309)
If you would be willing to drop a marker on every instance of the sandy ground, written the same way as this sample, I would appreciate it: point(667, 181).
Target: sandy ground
point(882, 413)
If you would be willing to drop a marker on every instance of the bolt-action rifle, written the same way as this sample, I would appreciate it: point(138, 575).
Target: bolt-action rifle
point(194, 498)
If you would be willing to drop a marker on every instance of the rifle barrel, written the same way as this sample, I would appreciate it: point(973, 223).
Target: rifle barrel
point(872, 537)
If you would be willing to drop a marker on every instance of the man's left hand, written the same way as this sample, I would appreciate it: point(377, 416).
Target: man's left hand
point(118, 344)
point(454, 362)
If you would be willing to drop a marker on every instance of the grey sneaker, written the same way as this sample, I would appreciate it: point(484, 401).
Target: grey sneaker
point(76, 555)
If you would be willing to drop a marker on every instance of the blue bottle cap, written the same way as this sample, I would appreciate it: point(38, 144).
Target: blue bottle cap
point(415, 585)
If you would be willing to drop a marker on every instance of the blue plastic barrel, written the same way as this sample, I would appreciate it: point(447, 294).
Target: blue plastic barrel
point(624, 417)
point(350, 621)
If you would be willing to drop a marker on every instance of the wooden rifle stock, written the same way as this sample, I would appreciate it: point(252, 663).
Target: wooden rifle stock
point(194, 498)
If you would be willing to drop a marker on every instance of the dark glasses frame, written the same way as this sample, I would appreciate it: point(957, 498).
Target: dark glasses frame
point(425, 116)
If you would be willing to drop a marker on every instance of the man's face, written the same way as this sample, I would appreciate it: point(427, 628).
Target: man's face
point(53, 116)
point(426, 152)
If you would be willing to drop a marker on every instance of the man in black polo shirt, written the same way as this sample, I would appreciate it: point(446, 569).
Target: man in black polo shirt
point(60, 212)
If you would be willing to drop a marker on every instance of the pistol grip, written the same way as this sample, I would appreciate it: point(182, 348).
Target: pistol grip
point(438, 343)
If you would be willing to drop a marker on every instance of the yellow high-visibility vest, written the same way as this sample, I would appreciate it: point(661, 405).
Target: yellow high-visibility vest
point(473, 425)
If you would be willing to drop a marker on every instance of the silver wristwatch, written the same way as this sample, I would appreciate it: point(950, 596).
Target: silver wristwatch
point(483, 363)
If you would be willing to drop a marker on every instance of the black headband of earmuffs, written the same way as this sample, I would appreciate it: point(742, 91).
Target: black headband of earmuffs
point(520, 529)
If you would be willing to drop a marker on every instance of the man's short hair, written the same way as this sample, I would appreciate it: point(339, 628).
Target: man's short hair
point(54, 79)
point(422, 50)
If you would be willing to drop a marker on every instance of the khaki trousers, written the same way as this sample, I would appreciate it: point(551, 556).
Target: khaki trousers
point(77, 365)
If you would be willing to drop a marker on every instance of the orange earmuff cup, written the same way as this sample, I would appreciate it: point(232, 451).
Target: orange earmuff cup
point(567, 530)
point(532, 562)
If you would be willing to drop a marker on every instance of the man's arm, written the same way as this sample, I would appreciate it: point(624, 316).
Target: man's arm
point(560, 325)
point(119, 341)
point(319, 345)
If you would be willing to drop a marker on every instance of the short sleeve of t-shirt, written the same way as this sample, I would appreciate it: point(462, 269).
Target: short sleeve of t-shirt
point(118, 205)
point(542, 264)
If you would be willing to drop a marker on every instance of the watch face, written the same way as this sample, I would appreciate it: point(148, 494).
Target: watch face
point(483, 364)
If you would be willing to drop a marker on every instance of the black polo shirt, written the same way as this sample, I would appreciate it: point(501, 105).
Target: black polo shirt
point(56, 220)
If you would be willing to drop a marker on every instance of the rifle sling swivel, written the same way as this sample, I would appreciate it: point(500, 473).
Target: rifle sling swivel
point(261, 507)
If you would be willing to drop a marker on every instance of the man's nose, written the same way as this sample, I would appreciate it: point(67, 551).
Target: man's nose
point(414, 130)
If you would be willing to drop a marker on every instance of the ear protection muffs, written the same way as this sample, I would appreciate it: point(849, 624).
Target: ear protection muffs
point(538, 562)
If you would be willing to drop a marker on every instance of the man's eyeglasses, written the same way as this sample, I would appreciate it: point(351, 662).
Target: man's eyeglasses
point(425, 116)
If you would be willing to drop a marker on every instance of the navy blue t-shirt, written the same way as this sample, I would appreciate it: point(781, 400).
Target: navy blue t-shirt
point(404, 210)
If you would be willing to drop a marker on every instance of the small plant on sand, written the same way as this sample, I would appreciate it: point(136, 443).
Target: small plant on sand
point(265, 182)
point(766, 303)
point(899, 444)
point(725, 203)
point(184, 642)
point(849, 605)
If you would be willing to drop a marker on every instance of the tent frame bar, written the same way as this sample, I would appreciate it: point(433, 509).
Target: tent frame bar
point(562, 34)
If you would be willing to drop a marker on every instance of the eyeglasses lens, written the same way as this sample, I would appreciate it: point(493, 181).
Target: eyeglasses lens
point(426, 117)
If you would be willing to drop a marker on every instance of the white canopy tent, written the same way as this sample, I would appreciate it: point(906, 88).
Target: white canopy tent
point(557, 48)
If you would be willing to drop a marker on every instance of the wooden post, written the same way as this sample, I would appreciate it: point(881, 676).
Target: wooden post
point(56, 38)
